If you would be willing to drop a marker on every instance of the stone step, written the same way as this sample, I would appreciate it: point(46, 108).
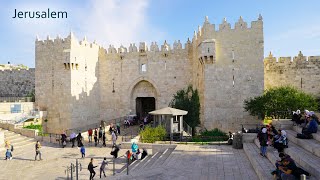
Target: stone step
point(141, 163)
point(18, 139)
point(12, 137)
point(261, 165)
point(273, 156)
point(131, 166)
point(152, 160)
point(311, 145)
point(163, 157)
point(316, 136)
point(305, 159)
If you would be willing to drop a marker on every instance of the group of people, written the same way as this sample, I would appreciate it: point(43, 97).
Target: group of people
point(270, 136)
point(309, 123)
point(286, 168)
point(9, 150)
point(135, 153)
point(91, 167)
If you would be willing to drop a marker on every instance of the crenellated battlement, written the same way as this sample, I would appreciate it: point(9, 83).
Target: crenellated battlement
point(296, 59)
point(68, 41)
point(208, 28)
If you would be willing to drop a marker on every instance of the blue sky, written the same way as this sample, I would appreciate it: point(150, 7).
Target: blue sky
point(289, 25)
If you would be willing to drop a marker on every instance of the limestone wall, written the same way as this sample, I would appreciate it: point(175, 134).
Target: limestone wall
point(300, 71)
point(66, 82)
point(80, 83)
point(232, 73)
point(166, 72)
point(17, 83)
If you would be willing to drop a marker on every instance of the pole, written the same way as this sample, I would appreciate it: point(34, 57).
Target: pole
point(127, 166)
point(77, 169)
point(71, 169)
point(114, 166)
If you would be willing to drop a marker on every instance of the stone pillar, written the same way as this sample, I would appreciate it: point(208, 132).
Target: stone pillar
point(181, 124)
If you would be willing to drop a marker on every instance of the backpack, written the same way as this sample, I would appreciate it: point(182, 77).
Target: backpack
point(299, 171)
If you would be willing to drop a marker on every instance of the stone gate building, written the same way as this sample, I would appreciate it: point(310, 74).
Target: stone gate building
point(81, 83)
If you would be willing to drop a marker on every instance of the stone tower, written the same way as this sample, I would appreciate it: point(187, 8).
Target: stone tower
point(227, 69)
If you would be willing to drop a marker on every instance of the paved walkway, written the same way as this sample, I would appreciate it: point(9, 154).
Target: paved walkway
point(201, 163)
point(55, 159)
point(186, 162)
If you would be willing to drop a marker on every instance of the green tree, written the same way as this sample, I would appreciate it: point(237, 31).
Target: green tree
point(188, 100)
point(279, 102)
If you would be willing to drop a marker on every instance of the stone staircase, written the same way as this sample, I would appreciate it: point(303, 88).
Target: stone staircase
point(16, 140)
point(149, 163)
point(305, 152)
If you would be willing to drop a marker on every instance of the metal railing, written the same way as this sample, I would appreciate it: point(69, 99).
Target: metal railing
point(16, 99)
point(186, 139)
point(187, 128)
point(104, 123)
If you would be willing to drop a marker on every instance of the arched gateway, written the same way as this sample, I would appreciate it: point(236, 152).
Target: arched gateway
point(143, 97)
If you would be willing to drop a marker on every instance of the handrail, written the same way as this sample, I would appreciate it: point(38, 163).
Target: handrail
point(95, 125)
point(187, 128)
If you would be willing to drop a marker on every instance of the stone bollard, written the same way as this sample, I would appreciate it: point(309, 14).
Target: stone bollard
point(237, 141)
point(303, 177)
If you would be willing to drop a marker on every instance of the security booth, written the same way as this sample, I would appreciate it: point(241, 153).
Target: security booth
point(171, 119)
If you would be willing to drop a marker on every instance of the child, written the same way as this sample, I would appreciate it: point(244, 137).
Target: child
point(83, 151)
point(8, 155)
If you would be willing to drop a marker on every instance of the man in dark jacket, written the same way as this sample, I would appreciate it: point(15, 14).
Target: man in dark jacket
point(91, 169)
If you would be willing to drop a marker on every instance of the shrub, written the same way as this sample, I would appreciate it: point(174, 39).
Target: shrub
point(212, 135)
point(150, 135)
point(32, 126)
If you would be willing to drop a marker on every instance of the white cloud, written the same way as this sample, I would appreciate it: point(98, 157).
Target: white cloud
point(108, 22)
point(118, 22)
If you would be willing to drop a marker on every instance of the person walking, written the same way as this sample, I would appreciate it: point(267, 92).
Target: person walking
point(73, 138)
point(95, 137)
point(104, 139)
point(102, 167)
point(115, 150)
point(83, 151)
point(63, 139)
point(100, 134)
point(90, 135)
point(118, 128)
point(79, 139)
point(114, 138)
point(91, 169)
point(38, 152)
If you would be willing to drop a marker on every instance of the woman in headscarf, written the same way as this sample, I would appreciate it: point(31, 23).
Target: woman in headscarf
point(263, 139)
point(281, 142)
point(134, 149)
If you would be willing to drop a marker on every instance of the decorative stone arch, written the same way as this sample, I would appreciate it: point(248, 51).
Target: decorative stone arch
point(142, 88)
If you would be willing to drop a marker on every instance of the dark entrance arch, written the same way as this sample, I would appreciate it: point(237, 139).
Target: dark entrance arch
point(145, 105)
